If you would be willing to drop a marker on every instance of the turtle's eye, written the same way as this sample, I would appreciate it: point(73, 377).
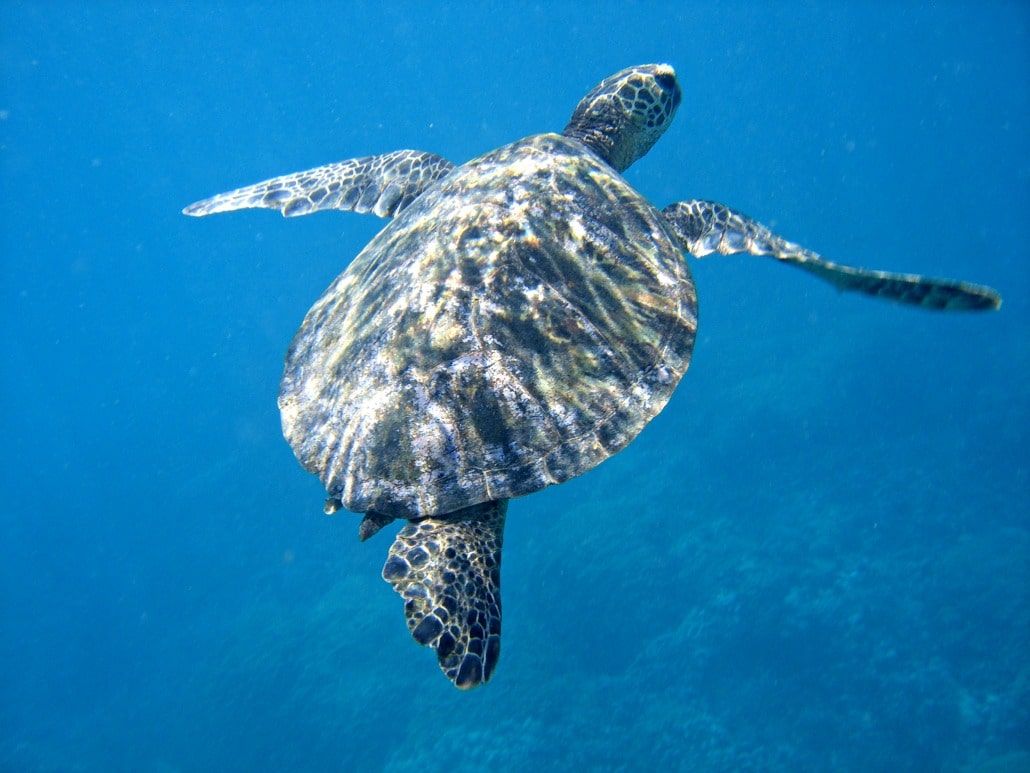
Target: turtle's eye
point(666, 81)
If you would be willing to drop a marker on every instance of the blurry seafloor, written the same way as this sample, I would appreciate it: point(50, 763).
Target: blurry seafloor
point(818, 556)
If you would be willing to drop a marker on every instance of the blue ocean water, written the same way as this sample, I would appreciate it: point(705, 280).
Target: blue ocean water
point(816, 558)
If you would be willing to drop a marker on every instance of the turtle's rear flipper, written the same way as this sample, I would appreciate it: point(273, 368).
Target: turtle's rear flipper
point(704, 227)
point(448, 569)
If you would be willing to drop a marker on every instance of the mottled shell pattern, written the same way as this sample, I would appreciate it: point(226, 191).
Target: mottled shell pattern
point(515, 326)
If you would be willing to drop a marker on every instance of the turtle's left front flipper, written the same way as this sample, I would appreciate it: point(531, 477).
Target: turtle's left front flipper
point(448, 569)
point(383, 185)
point(704, 227)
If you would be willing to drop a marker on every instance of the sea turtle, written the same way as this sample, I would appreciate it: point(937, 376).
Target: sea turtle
point(519, 321)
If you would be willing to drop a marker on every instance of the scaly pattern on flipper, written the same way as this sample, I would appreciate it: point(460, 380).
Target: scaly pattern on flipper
point(383, 185)
point(448, 570)
point(704, 227)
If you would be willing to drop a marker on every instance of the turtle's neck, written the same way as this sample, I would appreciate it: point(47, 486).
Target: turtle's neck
point(599, 140)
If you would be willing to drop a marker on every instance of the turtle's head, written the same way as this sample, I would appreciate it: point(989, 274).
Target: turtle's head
point(625, 114)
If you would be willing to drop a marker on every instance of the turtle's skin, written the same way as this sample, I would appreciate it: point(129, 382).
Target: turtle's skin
point(520, 320)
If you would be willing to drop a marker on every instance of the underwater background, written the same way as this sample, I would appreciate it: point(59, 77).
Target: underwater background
point(816, 558)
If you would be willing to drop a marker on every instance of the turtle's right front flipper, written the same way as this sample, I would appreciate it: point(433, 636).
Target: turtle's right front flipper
point(383, 185)
point(448, 569)
point(704, 227)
